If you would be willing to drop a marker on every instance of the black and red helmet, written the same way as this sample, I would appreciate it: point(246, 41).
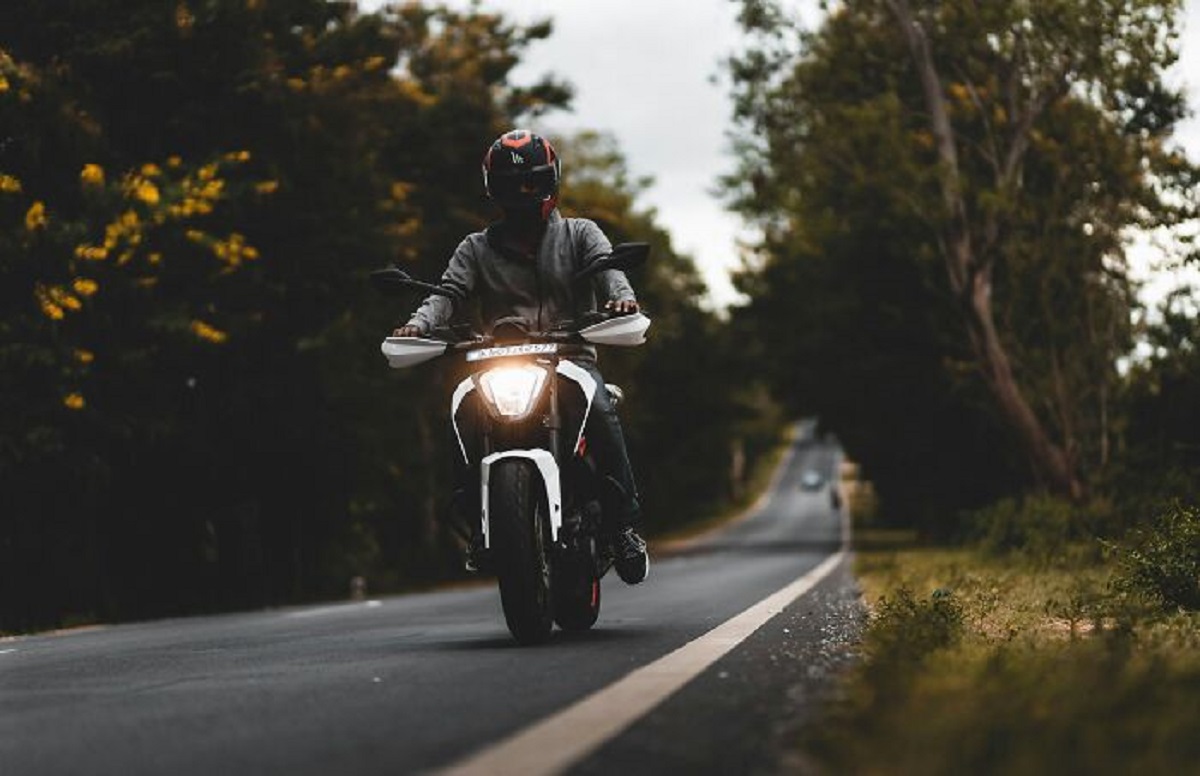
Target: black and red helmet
point(521, 171)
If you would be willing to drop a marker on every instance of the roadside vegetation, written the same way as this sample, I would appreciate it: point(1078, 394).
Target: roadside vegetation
point(947, 193)
point(1042, 653)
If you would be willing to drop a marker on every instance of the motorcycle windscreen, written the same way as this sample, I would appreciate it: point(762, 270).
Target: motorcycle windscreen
point(404, 352)
point(624, 330)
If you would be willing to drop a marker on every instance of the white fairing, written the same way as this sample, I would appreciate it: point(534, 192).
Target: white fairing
point(586, 384)
point(546, 467)
point(567, 369)
point(460, 393)
point(404, 352)
point(624, 330)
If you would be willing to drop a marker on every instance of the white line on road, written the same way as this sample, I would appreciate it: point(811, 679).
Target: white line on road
point(559, 741)
point(6, 651)
point(333, 609)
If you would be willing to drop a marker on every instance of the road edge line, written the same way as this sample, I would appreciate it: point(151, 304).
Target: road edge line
point(566, 737)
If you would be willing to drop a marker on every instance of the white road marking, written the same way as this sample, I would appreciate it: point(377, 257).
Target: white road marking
point(333, 609)
point(6, 651)
point(563, 739)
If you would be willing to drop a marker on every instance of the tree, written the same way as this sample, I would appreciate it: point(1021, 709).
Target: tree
point(81, 262)
point(1034, 56)
point(1007, 143)
point(212, 457)
point(1163, 393)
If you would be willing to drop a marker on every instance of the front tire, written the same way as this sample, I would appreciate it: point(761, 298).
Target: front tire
point(517, 516)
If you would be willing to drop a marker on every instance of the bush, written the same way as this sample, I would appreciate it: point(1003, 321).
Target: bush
point(907, 628)
point(1162, 560)
point(1074, 707)
point(1040, 527)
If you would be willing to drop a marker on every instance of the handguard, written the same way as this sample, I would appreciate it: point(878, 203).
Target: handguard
point(402, 352)
point(623, 330)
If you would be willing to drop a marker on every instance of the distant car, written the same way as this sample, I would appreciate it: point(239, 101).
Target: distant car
point(811, 480)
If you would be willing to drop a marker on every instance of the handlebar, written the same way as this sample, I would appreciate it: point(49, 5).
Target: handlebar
point(622, 330)
point(476, 340)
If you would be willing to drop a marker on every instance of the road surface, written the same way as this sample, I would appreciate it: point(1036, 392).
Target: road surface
point(431, 682)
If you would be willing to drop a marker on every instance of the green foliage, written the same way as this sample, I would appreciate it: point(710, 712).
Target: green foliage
point(1074, 707)
point(1047, 674)
point(907, 629)
point(1041, 528)
point(851, 291)
point(1162, 560)
point(1163, 396)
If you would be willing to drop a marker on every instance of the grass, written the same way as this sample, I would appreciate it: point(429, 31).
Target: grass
point(977, 662)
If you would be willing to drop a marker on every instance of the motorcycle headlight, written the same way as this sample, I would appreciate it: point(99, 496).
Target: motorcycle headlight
point(513, 390)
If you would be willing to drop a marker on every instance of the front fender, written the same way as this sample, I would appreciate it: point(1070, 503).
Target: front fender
point(547, 467)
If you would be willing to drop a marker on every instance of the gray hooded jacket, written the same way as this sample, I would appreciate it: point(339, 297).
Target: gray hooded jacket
point(537, 290)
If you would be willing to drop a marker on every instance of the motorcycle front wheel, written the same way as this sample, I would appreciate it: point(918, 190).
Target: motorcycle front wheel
point(517, 515)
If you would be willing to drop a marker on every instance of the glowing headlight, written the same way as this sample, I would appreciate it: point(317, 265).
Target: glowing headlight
point(512, 390)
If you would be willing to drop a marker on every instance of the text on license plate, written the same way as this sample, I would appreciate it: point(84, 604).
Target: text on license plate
point(512, 350)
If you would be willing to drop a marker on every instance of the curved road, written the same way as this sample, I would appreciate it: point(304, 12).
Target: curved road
point(426, 682)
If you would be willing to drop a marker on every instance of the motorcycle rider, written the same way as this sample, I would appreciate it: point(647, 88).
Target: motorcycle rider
point(521, 267)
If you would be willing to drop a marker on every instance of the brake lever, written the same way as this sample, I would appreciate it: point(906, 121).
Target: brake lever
point(477, 340)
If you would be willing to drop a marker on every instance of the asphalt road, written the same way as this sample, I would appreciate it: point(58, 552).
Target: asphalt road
point(420, 682)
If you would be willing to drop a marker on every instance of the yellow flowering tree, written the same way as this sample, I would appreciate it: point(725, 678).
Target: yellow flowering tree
point(75, 260)
point(131, 232)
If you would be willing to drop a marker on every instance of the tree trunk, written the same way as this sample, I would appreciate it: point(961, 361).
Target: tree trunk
point(970, 275)
point(1051, 465)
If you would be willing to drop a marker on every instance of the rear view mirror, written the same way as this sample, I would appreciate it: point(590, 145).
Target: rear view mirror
point(393, 280)
point(625, 257)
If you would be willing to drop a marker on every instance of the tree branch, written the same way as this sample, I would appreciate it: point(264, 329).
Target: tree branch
point(1024, 129)
point(958, 255)
point(991, 152)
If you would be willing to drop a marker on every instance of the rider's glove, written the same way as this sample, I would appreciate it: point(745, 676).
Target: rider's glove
point(408, 330)
point(622, 306)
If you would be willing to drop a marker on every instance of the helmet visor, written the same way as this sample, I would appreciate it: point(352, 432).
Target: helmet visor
point(535, 185)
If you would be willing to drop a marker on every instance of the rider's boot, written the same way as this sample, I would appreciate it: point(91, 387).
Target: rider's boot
point(630, 556)
point(475, 554)
point(628, 549)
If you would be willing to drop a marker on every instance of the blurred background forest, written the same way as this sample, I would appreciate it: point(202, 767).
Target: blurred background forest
point(194, 414)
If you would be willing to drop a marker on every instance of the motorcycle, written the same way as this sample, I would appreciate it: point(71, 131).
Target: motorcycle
point(542, 502)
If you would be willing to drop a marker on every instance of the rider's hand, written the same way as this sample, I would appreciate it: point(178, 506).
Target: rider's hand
point(408, 330)
point(622, 307)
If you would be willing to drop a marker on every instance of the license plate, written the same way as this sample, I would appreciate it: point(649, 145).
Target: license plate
point(512, 350)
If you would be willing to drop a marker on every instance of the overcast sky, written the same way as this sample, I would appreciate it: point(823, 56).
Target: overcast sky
point(649, 71)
